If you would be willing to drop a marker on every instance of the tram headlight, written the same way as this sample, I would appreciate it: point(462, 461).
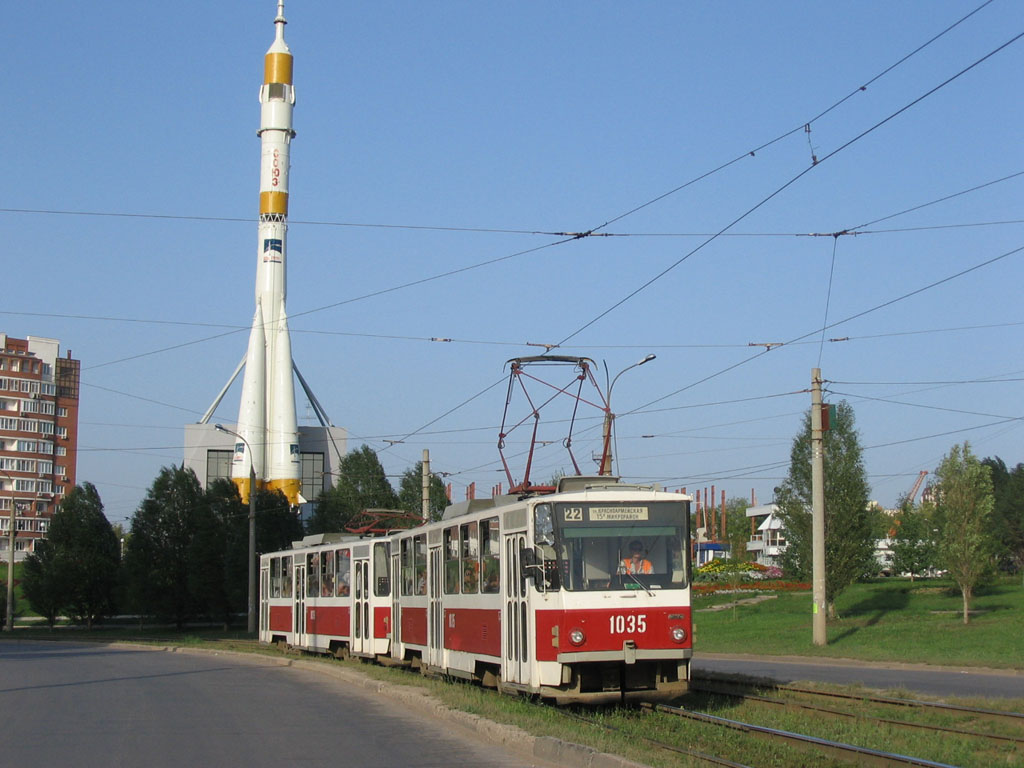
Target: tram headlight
point(576, 637)
point(678, 634)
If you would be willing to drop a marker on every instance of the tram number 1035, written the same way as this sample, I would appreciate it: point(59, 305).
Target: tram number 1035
point(627, 625)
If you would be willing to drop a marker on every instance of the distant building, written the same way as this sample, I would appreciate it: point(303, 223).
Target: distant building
point(38, 435)
point(767, 535)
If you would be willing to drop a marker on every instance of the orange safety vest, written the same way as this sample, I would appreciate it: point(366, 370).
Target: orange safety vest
point(644, 566)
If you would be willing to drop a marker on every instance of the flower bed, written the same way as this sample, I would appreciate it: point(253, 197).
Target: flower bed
point(708, 588)
point(732, 570)
point(722, 575)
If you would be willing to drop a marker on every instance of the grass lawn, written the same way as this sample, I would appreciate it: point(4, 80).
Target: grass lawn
point(882, 620)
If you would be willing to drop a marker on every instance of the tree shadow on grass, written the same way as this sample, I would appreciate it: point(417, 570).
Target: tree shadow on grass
point(870, 610)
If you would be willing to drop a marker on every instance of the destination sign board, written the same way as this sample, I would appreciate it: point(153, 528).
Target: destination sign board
point(615, 514)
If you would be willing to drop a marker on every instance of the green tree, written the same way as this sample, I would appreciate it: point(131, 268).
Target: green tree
point(43, 582)
point(88, 550)
point(217, 585)
point(913, 542)
point(737, 528)
point(963, 513)
point(849, 520)
point(157, 551)
point(1008, 522)
point(410, 492)
point(75, 569)
point(218, 553)
point(362, 484)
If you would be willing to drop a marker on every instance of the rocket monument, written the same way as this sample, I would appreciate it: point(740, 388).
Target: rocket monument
point(269, 447)
point(266, 415)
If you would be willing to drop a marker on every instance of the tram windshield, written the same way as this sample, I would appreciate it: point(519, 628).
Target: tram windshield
point(613, 546)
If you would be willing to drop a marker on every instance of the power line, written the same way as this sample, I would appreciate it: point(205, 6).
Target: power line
point(853, 230)
point(789, 183)
point(828, 298)
point(921, 383)
point(929, 407)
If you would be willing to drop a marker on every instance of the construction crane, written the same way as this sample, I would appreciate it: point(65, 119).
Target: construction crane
point(917, 486)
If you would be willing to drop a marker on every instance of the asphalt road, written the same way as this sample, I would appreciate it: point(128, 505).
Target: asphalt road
point(919, 678)
point(93, 705)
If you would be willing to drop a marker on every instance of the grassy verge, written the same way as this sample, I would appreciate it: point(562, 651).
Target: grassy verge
point(889, 620)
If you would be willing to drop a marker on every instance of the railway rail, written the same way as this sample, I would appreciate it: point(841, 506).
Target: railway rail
point(850, 752)
point(976, 715)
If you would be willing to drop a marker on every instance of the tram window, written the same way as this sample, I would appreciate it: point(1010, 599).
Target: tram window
point(327, 575)
point(313, 574)
point(544, 536)
point(543, 525)
point(420, 563)
point(451, 561)
point(490, 554)
point(343, 571)
point(275, 577)
point(408, 570)
point(381, 581)
point(470, 558)
point(286, 577)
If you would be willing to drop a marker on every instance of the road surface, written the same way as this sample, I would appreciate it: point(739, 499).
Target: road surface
point(93, 705)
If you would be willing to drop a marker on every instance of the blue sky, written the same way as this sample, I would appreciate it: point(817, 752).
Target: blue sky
point(419, 121)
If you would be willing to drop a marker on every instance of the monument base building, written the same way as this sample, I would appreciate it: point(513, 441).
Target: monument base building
point(209, 452)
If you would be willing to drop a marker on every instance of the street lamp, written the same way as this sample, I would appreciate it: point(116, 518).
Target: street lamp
point(251, 626)
point(609, 417)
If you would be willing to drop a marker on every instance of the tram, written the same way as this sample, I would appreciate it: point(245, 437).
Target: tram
point(581, 594)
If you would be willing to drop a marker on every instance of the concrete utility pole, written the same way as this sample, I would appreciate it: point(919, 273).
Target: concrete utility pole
point(426, 485)
point(817, 510)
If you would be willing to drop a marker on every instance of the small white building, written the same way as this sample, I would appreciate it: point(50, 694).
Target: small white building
point(767, 538)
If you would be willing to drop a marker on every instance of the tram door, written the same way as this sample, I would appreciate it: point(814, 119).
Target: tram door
point(396, 607)
point(264, 599)
point(362, 618)
point(299, 606)
point(516, 635)
point(435, 612)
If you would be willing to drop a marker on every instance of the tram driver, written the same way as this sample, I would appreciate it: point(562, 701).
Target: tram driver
point(636, 562)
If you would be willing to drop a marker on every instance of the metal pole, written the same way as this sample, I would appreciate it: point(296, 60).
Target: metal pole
point(252, 546)
point(9, 618)
point(609, 417)
point(251, 614)
point(425, 498)
point(817, 511)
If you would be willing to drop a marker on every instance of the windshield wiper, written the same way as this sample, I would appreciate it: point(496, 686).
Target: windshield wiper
point(639, 583)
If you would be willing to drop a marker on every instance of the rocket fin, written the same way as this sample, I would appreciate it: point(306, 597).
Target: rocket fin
point(252, 419)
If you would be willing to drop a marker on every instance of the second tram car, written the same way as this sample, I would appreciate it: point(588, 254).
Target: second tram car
point(582, 594)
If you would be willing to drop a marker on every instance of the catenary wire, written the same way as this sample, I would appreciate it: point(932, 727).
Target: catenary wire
point(792, 181)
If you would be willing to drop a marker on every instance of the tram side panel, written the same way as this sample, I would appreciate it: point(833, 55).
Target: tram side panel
point(326, 598)
point(472, 597)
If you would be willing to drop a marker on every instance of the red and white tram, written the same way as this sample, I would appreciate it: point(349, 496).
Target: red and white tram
point(582, 594)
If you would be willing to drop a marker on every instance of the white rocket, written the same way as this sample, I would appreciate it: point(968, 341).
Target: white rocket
point(266, 414)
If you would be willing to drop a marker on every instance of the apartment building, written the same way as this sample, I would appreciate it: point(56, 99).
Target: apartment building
point(39, 396)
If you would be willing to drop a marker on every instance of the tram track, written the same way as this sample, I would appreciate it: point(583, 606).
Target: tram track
point(798, 698)
point(847, 752)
